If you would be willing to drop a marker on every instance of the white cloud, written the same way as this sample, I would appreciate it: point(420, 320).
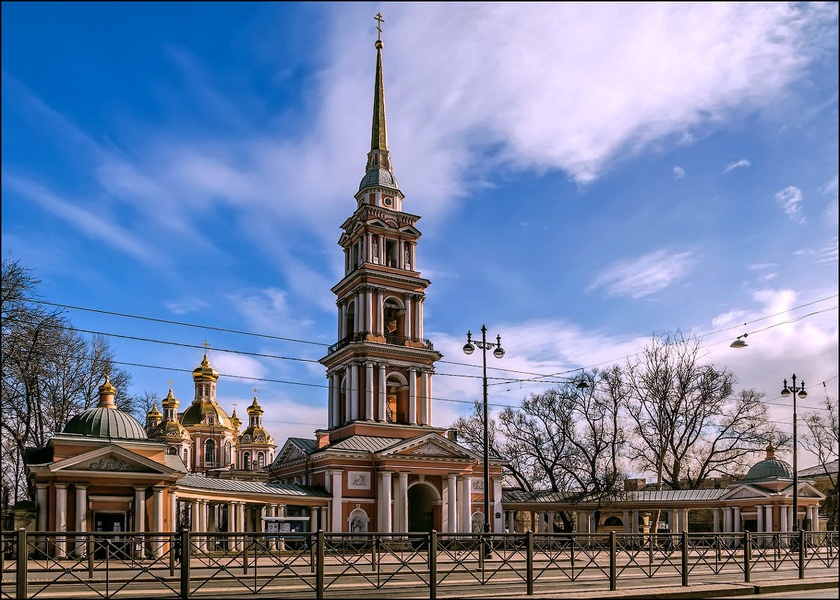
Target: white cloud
point(790, 201)
point(679, 173)
point(645, 275)
point(741, 163)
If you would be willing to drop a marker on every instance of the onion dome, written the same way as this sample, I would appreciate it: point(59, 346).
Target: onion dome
point(106, 420)
point(206, 413)
point(205, 371)
point(255, 434)
point(770, 468)
point(171, 427)
point(235, 421)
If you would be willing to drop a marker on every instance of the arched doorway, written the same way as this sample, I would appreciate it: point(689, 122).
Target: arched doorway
point(421, 501)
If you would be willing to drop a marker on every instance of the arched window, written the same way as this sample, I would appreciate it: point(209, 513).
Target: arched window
point(209, 452)
point(613, 522)
point(186, 456)
point(260, 459)
point(227, 453)
point(172, 450)
point(246, 461)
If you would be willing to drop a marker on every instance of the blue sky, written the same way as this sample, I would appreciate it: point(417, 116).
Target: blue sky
point(587, 175)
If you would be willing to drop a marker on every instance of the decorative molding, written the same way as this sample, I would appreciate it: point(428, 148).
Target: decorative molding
point(110, 464)
point(358, 480)
point(430, 449)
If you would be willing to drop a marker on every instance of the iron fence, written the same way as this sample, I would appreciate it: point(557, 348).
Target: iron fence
point(305, 565)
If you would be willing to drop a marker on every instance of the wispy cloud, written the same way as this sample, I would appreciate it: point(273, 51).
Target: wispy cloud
point(736, 165)
point(679, 172)
point(790, 201)
point(645, 275)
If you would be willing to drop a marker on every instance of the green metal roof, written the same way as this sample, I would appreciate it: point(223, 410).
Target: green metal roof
point(256, 487)
point(771, 468)
point(106, 422)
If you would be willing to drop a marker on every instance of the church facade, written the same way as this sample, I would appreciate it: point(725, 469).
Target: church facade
point(379, 465)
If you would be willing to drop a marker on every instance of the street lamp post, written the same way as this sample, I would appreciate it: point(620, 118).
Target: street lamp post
point(787, 391)
point(498, 352)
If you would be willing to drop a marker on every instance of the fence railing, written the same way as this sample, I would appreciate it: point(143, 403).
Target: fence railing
point(194, 565)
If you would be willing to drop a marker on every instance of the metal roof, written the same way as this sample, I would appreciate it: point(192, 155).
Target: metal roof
point(198, 482)
point(305, 444)
point(365, 443)
point(831, 468)
point(546, 497)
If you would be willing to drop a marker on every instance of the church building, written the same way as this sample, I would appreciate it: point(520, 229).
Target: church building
point(385, 466)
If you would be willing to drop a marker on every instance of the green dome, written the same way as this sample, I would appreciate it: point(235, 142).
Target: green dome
point(770, 468)
point(106, 422)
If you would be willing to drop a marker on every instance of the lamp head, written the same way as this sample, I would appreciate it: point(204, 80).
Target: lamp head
point(802, 393)
point(499, 352)
point(469, 348)
point(739, 343)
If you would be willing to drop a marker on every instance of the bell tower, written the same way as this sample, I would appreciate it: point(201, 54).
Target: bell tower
point(380, 369)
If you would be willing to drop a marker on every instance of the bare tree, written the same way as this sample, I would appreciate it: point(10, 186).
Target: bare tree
point(687, 421)
point(50, 373)
point(823, 440)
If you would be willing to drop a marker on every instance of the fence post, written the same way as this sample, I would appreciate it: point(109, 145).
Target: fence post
point(747, 556)
point(801, 554)
point(21, 564)
point(244, 555)
point(612, 561)
point(529, 562)
point(319, 567)
point(432, 564)
point(684, 543)
point(186, 556)
point(90, 552)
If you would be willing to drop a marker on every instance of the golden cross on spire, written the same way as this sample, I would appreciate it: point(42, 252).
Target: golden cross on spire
point(255, 392)
point(206, 344)
point(170, 382)
point(379, 20)
point(234, 407)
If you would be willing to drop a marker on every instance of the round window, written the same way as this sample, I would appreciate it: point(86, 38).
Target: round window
point(387, 201)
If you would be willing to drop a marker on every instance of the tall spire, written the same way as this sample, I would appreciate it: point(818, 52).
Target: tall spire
point(379, 171)
point(379, 134)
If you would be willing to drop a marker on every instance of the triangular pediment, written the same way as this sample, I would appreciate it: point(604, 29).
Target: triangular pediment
point(806, 490)
point(410, 230)
point(290, 452)
point(111, 459)
point(746, 491)
point(431, 445)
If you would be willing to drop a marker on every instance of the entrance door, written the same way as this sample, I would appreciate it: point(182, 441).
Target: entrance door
point(110, 522)
point(420, 515)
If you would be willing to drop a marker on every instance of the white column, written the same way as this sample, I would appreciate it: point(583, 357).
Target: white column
point(727, 519)
point(81, 516)
point(465, 502)
point(511, 516)
point(715, 520)
point(140, 508)
point(768, 518)
point(814, 517)
point(759, 519)
point(385, 523)
point(173, 514)
point(240, 520)
point(420, 317)
point(625, 519)
point(401, 501)
point(409, 327)
point(335, 400)
point(323, 518)
point(452, 509)
point(42, 499)
point(635, 522)
point(783, 525)
point(383, 394)
point(354, 391)
point(157, 516)
point(497, 522)
point(684, 520)
point(369, 391)
point(424, 397)
point(412, 396)
point(736, 519)
point(61, 519)
point(348, 395)
point(195, 520)
point(675, 521)
point(380, 315)
point(337, 500)
point(369, 309)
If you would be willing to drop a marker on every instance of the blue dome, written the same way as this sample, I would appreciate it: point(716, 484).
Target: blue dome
point(379, 177)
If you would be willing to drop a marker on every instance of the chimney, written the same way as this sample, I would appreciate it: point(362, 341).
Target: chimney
point(322, 439)
point(633, 485)
point(452, 435)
